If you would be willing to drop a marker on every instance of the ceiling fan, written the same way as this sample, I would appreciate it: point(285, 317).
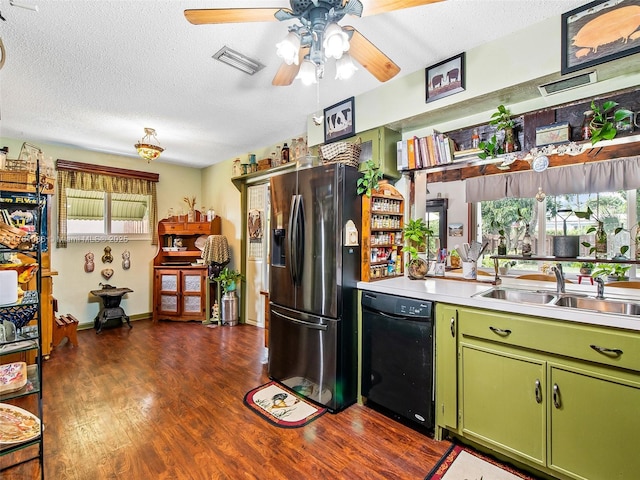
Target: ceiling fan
point(317, 35)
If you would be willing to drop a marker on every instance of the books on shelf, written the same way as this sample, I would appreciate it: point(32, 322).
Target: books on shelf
point(424, 152)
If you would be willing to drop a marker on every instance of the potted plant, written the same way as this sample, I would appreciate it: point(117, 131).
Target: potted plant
point(228, 279)
point(501, 119)
point(489, 148)
point(415, 234)
point(586, 268)
point(371, 175)
point(603, 124)
point(613, 271)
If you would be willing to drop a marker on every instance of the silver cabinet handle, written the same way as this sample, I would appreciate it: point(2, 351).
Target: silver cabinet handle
point(453, 327)
point(556, 396)
point(538, 392)
point(500, 331)
point(611, 352)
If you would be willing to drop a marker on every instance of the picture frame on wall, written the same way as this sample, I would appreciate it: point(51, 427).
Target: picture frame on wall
point(445, 78)
point(599, 32)
point(340, 121)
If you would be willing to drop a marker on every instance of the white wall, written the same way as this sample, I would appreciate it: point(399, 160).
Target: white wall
point(72, 285)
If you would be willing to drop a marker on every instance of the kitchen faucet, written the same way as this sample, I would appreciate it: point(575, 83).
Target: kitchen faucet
point(557, 269)
point(600, 282)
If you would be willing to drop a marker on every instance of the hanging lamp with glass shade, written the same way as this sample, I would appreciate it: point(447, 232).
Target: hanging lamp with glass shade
point(149, 147)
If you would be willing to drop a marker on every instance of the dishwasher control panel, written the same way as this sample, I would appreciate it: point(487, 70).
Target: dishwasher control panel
point(394, 305)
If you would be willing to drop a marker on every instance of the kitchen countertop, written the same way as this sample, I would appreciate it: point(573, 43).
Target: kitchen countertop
point(460, 292)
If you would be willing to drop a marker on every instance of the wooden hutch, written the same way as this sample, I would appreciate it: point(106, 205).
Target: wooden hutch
point(179, 282)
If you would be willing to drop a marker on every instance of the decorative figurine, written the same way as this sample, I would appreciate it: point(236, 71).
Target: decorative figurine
point(107, 273)
point(88, 262)
point(107, 257)
point(126, 262)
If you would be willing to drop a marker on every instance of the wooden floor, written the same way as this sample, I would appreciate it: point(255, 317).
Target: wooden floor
point(165, 402)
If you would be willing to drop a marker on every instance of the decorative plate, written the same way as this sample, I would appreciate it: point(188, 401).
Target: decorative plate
point(201, 241)
point(13, 376)
point(540, 163)
point(17, 425)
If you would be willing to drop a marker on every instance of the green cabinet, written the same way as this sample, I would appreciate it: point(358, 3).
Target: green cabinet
point(381, 146)
point(594, 422)
point(446, 368)
point(502, 400)
point(540, 391)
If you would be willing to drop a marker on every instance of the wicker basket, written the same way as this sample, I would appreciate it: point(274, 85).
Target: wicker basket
point(342, 152)
point(21, 313)
point(10, 236)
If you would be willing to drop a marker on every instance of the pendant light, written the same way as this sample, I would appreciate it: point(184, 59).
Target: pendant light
point(146, 148)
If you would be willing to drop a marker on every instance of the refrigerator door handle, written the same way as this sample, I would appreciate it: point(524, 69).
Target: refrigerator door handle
point(292, 239)
point(300, 238)
point(313, 326)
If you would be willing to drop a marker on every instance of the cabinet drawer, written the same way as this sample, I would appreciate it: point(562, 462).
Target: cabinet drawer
point(199, 228)
point(184, 228)
point(612, 347)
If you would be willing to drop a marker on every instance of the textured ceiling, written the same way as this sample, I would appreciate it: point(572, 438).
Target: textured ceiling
point(92, 74)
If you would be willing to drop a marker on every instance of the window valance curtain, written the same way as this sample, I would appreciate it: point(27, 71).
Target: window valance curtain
point(98, 178)
point(605, 176)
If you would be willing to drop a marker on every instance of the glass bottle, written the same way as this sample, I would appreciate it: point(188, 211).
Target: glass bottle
point(585, 129)
point(601, 241)
point(293, 151)
point(526, 243)
point(475, 139)
point(502, 246)
point(284, 153)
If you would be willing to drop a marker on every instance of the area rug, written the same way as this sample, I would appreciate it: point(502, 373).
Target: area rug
point(280, 406)
point(464, 463)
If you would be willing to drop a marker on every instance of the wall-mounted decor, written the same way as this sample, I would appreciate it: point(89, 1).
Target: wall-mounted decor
point(126, 260)
point(340, 121)
point(599, 32)
point(107, 257)
point(107, 273)
point(254, 224)
point(88, 262)
point(456, 229)
point(445, 78)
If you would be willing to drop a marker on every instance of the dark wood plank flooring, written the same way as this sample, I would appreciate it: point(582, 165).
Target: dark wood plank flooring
point(164, 401)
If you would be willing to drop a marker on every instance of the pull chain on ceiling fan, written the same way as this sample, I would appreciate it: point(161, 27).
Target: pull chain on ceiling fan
point(317, 36)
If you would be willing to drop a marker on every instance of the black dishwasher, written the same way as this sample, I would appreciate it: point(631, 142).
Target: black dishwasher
point(397, 355)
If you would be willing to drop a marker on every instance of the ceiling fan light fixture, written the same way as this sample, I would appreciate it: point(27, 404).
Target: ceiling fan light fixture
point(288, 48)
point(308, 74)
point(146, 148)
point(336, 41)
point(345, 67)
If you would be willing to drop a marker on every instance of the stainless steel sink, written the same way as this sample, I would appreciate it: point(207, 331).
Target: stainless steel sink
point(521, 296)
point(604, 306)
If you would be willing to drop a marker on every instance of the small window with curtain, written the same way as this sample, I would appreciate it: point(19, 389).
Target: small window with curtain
point(104, 215)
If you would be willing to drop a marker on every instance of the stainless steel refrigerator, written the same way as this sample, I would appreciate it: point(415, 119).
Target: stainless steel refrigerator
point(313, 275)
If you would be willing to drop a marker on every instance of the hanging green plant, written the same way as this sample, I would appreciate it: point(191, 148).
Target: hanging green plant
point(371, 175)
point(603, 125)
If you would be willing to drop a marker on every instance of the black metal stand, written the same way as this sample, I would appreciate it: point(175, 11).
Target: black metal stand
point(111, 309)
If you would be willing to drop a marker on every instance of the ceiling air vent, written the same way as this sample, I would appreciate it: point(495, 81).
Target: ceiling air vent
point(238, 60)
point(567, 83)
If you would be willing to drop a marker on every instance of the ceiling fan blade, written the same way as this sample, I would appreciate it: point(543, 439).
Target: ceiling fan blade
point(286, 74)
point(370, 57)
point(230, 15)
point(374, 7)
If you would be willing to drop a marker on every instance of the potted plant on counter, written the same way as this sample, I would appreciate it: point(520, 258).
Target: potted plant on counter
point(586, 268)
point(614, 272)
point(415, 234)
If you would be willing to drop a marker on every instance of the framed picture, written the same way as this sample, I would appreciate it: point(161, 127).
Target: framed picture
point(339, 121)
point(599, 32)
point(445, 78)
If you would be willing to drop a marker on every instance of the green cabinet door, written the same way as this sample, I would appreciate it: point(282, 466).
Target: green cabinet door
point(594, 423)
point(446, 368)
point(381, 146)
point(502, 400)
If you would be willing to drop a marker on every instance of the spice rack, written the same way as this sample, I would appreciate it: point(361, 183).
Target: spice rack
point(382, 239)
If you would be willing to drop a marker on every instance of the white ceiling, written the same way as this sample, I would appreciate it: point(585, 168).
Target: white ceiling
point(92, 73)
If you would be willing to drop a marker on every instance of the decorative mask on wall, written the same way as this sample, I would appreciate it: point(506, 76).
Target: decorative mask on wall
point(126, 262)
point(107, 257)
point(88, 262)
point(107, 273)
